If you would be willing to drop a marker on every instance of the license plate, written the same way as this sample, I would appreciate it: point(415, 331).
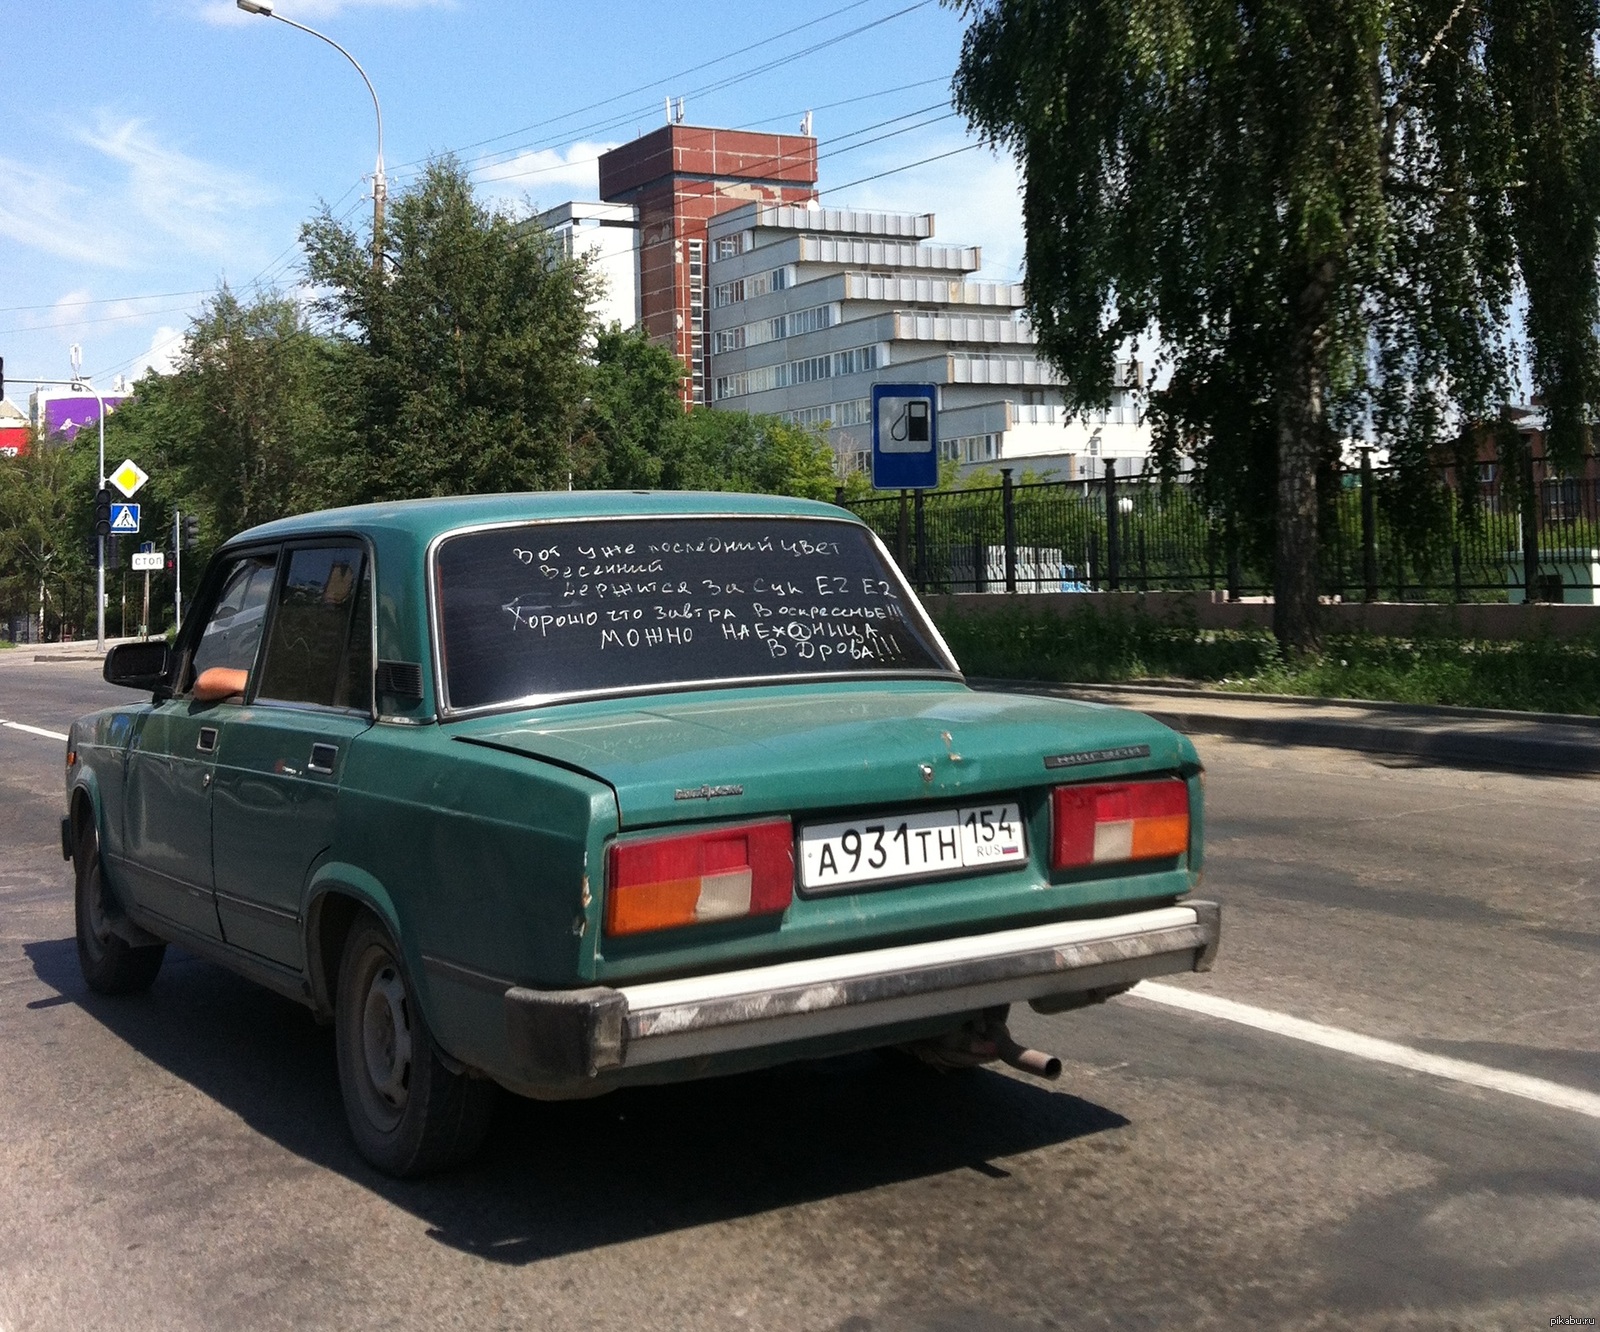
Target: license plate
point(910, 846)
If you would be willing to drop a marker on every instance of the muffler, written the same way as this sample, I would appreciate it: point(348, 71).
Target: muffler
point(982, 1042)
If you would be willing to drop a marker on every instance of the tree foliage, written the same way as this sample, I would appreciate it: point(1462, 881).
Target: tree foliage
point(1323, 214)
point(469, 363)
point(462, 361)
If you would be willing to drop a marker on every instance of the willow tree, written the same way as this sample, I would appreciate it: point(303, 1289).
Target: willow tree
point(1328, 215)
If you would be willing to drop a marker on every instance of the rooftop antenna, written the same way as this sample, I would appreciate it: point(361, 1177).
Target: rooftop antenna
point(669, 110)
point(805, 124)
point(680, 110)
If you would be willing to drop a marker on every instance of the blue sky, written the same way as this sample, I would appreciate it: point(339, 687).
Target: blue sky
point(150, 149)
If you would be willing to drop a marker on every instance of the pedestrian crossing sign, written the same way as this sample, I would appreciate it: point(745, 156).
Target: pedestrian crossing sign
point(124, 518)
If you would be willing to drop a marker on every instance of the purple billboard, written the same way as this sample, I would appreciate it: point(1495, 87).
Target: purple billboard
point(68, 413)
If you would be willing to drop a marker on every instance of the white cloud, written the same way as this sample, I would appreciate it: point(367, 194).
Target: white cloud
point(224, 12)
point(161, 356)
point(43, 211)
point(550, 175)
point(129, 203)
point(976, 198)
point(194, 202)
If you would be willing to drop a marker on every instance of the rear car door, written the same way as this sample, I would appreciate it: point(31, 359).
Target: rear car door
point(172, 757)
point(281, 758)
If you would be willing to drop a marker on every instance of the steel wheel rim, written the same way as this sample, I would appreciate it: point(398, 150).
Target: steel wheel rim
point(386, 1044)
point(94, 909)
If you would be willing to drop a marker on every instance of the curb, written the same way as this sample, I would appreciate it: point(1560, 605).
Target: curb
point(1439, 710)
point(1433, 743)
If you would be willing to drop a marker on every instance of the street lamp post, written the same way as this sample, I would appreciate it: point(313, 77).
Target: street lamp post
point(380, 188)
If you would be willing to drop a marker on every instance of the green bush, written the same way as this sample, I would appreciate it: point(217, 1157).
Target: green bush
point(1434, 665)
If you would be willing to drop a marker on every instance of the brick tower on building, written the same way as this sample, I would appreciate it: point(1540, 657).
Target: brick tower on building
point(679, 177)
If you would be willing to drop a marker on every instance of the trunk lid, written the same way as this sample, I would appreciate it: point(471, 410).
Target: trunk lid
point(728, 753)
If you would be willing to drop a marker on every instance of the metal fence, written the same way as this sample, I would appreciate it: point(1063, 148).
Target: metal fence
point(1533, 537)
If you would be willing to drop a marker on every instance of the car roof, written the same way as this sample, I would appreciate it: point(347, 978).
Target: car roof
point(427, 518)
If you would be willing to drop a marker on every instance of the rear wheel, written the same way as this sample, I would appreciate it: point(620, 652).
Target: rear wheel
point(409, 1113)
point(110, 964)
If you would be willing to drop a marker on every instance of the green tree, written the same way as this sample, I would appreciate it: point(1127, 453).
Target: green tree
point(760, 454)
point(233, 432)
point(630, 435)
point(46, 517)
point(462, 363)
point(1322, 213)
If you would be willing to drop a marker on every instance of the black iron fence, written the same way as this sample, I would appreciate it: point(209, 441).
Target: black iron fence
point(1533, 537)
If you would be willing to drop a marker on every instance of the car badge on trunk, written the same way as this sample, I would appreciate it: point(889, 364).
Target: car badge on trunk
point(1097, 756)
point(706, 792)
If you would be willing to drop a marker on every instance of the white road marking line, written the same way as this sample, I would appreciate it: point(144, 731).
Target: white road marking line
point(35, 730)
point(1370, 1047)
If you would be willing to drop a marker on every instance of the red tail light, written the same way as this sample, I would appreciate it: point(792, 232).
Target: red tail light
point(658, 883)
point(1116, 821)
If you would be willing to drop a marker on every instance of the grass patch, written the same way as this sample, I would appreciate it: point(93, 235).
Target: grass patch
point(1432, 666)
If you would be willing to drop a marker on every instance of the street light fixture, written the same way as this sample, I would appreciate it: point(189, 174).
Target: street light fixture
point(380, 189)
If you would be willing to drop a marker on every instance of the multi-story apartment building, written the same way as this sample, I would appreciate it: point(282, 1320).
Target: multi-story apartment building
point(678, 178)
point(775, 304)
point(811, 306)
point(609, 234)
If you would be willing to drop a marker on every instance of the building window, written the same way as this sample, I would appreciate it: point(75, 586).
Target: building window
point(727, 340)
point(697, 321)
point(806, 371)
point(856, 361)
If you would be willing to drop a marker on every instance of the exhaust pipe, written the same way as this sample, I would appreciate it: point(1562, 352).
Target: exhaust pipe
point(983, 1042)
point(1037, 1062)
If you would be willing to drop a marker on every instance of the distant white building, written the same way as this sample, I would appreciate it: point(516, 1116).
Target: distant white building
point(811, 306)
point(610, 233)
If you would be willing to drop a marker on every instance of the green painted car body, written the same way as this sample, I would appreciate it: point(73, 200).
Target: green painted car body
point(480, 837)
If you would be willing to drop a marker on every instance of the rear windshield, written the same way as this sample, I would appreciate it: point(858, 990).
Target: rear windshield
point(571, 607)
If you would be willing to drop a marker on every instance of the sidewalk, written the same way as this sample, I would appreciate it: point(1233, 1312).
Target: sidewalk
point(1470, 737)
point(82, 649)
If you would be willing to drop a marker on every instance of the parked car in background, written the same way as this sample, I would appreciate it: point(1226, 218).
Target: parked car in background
point(562, 792)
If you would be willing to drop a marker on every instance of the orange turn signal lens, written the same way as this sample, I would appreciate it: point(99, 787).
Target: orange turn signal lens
point(1107, 822)
point(659, 883)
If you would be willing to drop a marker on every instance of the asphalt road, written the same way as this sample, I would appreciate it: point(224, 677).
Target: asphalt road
point(179, 1160)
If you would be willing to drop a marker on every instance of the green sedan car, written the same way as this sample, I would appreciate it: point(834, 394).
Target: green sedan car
point(563, 792)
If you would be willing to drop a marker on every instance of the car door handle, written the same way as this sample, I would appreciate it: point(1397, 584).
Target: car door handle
point(207, 743)
point(322, 759)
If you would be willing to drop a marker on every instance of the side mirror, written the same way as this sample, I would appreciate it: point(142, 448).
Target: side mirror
point(137, 665)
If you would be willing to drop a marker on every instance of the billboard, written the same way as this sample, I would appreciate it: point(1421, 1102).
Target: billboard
point(66, 413)
point(13, 439)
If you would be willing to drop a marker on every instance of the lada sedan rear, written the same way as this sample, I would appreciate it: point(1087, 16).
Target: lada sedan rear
point(559, 793)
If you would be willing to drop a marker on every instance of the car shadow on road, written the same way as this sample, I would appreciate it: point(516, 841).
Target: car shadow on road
point(564, 1177)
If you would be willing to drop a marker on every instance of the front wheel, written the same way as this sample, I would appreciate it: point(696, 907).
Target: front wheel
point(110, 963)
point(410, 1115)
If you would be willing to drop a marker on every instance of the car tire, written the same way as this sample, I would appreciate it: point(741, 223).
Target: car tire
point(110, 964)
point(409, 1113)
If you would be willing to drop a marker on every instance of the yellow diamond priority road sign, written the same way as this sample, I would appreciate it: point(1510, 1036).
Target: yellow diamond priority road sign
point(128, 478)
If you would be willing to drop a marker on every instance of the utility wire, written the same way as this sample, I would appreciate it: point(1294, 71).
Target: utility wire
point(829, 106)
point(570, 137)
point(657, 83)
point(99, 300)
point(895, 171)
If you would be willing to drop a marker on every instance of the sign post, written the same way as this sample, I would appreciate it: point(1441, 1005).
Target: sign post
point(147, 557)
point(905, 436)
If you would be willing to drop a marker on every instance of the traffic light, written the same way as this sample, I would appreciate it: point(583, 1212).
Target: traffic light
point(113, 552)
point(191, 531)
point(172, 561)
point(102, 511)
point(2, 376)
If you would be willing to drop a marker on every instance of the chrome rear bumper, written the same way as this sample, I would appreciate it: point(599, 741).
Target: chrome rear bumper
point(560, 1035)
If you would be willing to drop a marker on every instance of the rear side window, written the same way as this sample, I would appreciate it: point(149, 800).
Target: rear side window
point(233, 629)
point(319, 648)
point(551, 609)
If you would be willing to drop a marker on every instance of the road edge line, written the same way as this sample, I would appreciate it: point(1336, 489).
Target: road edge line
point(1372, 1048)
point(35, 730)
